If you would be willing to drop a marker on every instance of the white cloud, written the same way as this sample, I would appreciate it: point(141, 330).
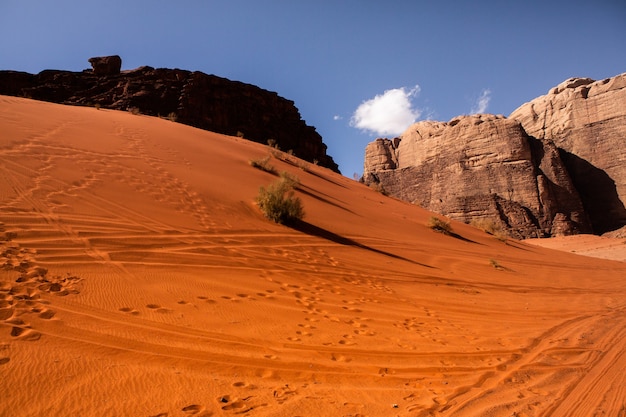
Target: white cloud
point(337, 117)
point(482, 102)
point(388, 114)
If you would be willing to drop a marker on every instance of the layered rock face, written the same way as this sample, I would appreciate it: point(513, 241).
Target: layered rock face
point(480, 167)
point(586, 119)
point(194, 98)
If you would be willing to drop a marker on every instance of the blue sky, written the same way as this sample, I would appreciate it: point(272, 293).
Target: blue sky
point(356, 70)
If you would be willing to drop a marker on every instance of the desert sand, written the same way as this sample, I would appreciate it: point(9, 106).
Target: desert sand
point(140, 279)
point(587, 245)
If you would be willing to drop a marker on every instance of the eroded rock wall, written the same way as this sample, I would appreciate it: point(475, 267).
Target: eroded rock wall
point(480, 167)
point(586, 119)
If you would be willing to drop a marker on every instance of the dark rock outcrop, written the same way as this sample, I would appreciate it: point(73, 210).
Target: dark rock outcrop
point(106, 65)
point(480, 167)
point(194, 98)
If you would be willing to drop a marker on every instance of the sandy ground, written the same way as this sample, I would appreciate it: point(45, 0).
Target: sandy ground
point(588, 245)
point(140, 279)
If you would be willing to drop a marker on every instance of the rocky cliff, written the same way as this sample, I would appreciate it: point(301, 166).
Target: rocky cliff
point(586, 119)
point(556, 165)
point(480, 167)
point(194, 98)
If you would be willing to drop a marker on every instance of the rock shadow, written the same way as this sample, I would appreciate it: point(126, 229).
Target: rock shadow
point(598, 193)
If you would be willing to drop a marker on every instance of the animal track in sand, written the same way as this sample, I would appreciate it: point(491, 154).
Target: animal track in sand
point(241, 384)
point(282, 394)
point(192, 409)
point(23, 296)
point(129, 310)
point(206, 299)
point(158, 308)
point(239, 405)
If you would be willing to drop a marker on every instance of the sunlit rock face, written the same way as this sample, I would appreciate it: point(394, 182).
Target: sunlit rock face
point(480, 167)
point(586, 119)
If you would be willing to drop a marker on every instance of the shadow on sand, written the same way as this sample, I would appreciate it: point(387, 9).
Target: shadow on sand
point(311, 229)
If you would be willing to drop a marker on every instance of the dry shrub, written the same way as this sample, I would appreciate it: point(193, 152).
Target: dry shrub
point(439, 225)
point(496, 265)
point(489, 226)
point(263, 164)
point(378, 187)
point(278, 201)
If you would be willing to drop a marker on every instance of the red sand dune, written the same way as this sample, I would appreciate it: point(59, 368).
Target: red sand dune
point(140, 279)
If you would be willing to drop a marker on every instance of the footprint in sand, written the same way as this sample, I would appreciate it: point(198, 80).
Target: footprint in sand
point(282, 394)
point(158, 308)
point(129, 310)
point(193, 409)
point(340, 358)
point(28, 335)
point(47, 314)
point(6, 313)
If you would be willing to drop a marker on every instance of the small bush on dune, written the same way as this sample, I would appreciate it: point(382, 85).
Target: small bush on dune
point(278, 201)
point(496, 265)
point(290, 180)
point(439, 225)
point(263, 164)
point(378, 187)
point(490, 227)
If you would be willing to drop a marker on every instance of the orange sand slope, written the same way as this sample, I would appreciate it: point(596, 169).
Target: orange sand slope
point(588, 245)
point(140, 279)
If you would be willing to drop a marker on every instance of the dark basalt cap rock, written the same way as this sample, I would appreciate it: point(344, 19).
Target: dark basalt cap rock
point(106, 65)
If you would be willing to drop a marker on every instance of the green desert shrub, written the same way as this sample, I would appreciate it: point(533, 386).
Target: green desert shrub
point(278, 201)
point(439, 225)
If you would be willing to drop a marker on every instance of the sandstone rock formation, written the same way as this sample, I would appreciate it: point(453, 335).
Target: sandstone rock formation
point(106, 65)
point(480, 167)
point(556, 166)
point(586, 119)
point(197, 99)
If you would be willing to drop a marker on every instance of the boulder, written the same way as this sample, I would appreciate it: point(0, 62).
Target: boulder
point(106, 65)
point(586, 119)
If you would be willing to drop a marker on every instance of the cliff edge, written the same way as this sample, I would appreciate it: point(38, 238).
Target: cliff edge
point(555, 166)
point(205, 101)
